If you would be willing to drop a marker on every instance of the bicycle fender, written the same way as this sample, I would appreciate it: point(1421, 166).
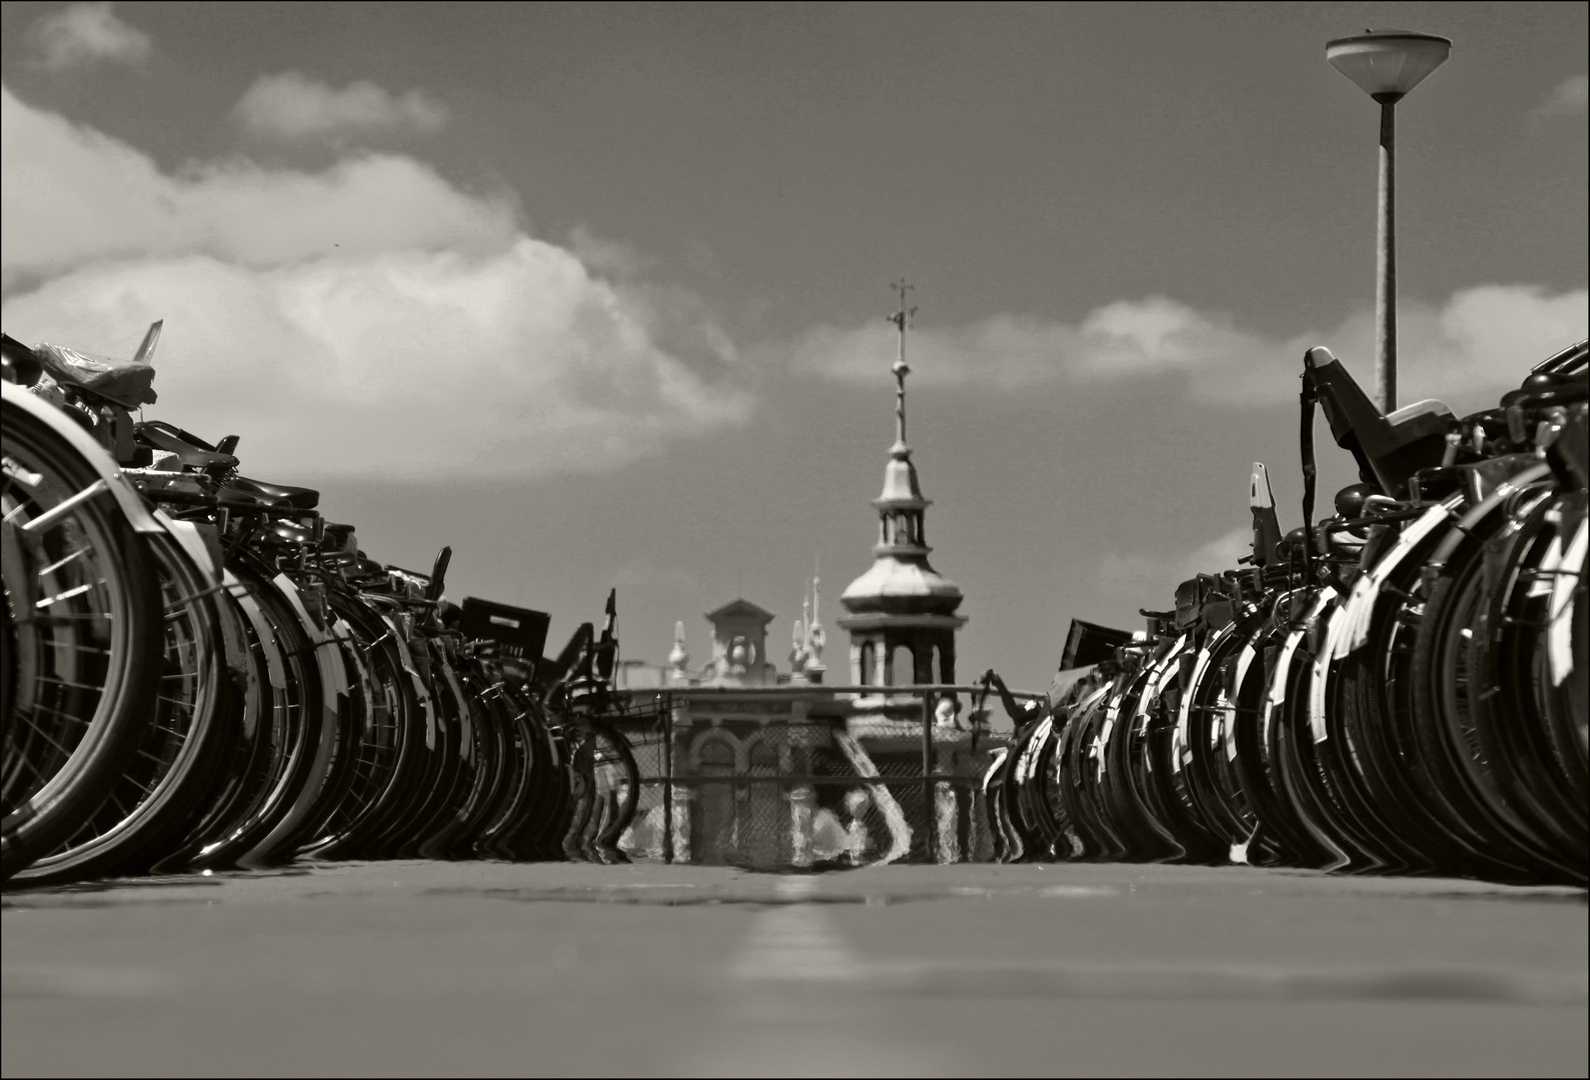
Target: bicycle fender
point(421, 693)
point(333, 676)
point(1565, 582)
point(187, 536)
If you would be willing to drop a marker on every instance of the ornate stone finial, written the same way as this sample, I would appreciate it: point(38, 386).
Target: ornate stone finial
point(679, 656)
point(816, 636)
point(797, 651)
point(741, 655)
point(902, 321)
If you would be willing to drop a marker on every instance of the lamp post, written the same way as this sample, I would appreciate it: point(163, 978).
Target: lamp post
point(1387, 64)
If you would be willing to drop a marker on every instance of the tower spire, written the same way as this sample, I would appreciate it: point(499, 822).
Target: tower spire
point(902, 321)
point(901, 600)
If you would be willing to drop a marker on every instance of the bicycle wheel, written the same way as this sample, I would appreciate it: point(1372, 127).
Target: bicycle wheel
point(286, 733)
point(324, 684)
point(1210, 710)
point(170, 775)
point(377, 773)
point(606, 793)
point(515, 797)
point(81, 636)
point(432, 758)
point(456, 731)
point(1456, 724)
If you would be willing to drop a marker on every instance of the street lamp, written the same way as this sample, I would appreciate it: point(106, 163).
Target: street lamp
point(1386, 64)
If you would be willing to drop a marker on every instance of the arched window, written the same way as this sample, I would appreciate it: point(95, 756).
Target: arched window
point(763, 757)
point(902, 666)
point(716, 756)
point(869, 658)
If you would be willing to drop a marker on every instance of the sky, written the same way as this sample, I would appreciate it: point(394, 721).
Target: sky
point(596, 294)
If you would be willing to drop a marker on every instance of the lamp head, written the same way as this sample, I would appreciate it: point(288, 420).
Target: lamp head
point(1387, 64)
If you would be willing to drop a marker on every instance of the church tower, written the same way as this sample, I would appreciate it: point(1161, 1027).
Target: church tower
point(901, 613)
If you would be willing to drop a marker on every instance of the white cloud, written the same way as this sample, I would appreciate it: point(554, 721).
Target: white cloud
point(73, 195)
point(437, 340)
point(1151, 582)
point(293, 107)
point(84, 34)
point(1008, 352)
point(1479, 342)
point(1570, 98)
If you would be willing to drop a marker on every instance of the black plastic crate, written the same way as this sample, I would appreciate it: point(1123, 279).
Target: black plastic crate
point(519, 631)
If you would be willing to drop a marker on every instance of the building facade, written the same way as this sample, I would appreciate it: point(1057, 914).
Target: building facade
point(777, 769)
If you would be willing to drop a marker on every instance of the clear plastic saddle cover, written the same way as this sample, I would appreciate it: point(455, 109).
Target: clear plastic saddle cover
point(128, 383)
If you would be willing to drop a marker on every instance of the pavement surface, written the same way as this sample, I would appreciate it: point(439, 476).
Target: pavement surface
point(489, 968)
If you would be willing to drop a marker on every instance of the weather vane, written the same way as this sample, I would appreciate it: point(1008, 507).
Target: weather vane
point(902, 321)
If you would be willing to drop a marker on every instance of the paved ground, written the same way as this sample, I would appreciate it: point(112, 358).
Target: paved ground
point(491, 968)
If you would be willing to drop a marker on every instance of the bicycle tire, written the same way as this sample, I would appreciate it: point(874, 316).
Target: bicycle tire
point(168, 777)
point(37, 461)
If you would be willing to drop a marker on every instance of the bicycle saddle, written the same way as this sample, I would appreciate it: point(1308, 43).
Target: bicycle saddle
point(244, 502)
point(176, 486)
point(1542, 392)
point(290, 532)
point(300, 498)
point(1292, 543)
point(192, 451)
point(350, 565)
point(128, 383)
point(368, 568)
point(337, 534)
point(1350, 500)
point(1388, 449)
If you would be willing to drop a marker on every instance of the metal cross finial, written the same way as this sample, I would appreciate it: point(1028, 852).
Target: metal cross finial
point(902, 321)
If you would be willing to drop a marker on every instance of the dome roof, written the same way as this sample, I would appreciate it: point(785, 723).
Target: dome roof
point(902, 586)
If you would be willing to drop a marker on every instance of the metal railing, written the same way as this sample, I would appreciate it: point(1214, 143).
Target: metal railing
point(857, 774)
